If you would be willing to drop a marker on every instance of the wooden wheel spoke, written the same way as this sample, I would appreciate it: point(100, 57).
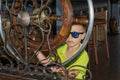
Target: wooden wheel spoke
point(54, 18)
point(81, 20)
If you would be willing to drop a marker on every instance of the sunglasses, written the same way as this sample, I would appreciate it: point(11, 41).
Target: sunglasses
point(76, 34)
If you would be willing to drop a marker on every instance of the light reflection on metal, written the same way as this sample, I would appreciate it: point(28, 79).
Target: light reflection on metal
point(23, 18)
point(19, 28)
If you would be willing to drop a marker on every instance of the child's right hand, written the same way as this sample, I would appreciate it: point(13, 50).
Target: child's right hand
point(57, 69)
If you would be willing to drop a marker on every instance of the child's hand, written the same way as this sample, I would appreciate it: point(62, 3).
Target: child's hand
point(57, 69)
point(73, 73)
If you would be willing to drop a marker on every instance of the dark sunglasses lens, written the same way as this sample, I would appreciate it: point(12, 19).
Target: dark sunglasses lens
point(75, 34)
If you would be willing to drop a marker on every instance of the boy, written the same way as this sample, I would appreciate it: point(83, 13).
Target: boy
point(66, 51)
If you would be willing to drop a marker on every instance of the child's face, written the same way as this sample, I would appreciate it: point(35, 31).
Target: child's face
point(76, 35)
